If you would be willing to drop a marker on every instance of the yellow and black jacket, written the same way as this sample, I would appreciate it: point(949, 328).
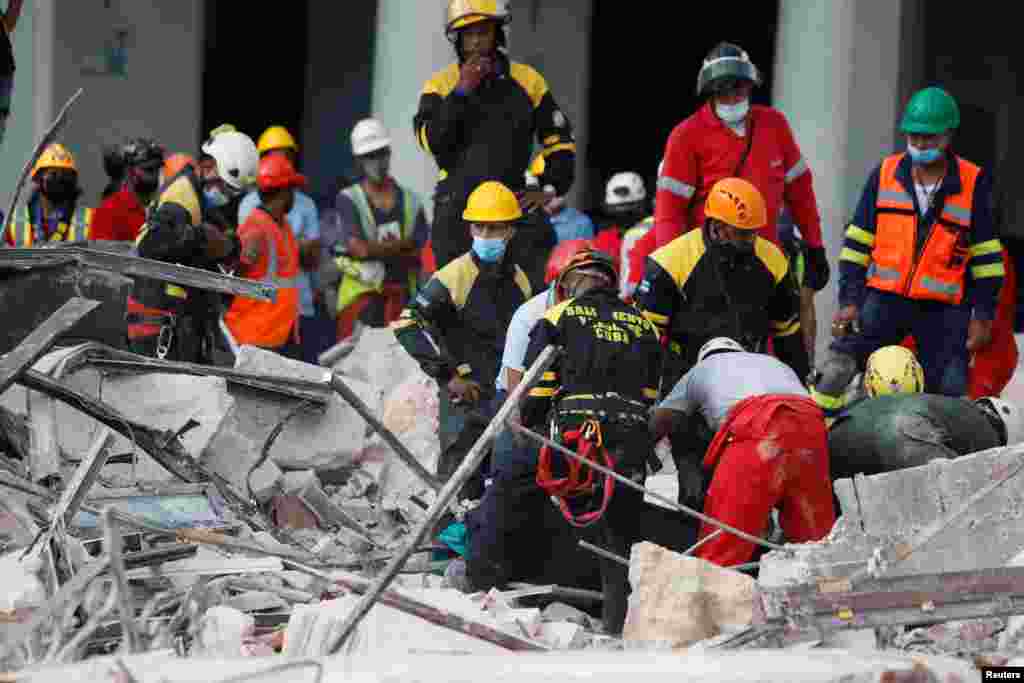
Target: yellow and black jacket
point(693, 294)
point(610, 367)
point(489, 134)
point(465, 309)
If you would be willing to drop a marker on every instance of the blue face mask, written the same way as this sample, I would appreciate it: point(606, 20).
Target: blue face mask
point(489, 250)
point(215, 198)
point(733, 113)
point(923, 157)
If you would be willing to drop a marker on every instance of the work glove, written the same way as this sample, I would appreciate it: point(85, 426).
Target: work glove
point(816, 273)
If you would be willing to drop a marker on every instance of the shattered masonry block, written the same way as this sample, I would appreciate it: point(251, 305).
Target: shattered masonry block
point(682, 600)
point(379, 360)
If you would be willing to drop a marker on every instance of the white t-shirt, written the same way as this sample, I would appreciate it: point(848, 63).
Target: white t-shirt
point(517, 339)
point(721, 381)
point(924, 196)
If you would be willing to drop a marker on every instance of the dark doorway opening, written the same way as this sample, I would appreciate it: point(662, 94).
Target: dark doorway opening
point(254, 77)
point(644, 77)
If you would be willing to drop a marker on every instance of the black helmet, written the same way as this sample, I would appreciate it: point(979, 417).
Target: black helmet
point(142, 152)
point(726, 63)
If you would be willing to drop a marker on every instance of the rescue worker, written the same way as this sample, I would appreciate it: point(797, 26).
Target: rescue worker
point(455, 326)
point(722, 280)
point(51, 213)
point(597, 396)
point(206, 162)
point(568, 222)
point(166, 320)
point(637, 245)
point(514, 516)
point(375, 270)
point(922, 237)
point(625, 205)
point(478, 119)
point(730, 137)
point(270, 252)
point(894, 432)
point(120, 216)
point(230, 177)
point(304, 222)
point(770, 448)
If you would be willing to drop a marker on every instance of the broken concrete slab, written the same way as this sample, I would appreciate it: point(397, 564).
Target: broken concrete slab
point(222, 631)
point(379, 360)
point(681, 600)
point(890, 508)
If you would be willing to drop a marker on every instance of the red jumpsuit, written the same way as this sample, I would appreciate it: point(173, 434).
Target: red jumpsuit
point(119, 217)
point(992, 368)
point(609, 241)
point(771, 451)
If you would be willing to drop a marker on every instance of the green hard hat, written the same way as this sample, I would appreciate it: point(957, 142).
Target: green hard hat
point(931, 111)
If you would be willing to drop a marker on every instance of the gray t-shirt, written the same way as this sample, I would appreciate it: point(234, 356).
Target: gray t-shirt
point(721, 381)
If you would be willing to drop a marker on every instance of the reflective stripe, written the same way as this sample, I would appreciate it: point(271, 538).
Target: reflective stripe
point(988, 270)
point(827, 402)
point(401, 323)
point(539, 392)
point(650, 393)
point(957, 213)
point(860, 235)
point(422, 137)
point(887, 273)
point(567, 146)
point(799, 168)
point(854, 256)
point(986, 248)
point(175, 291)
point(549, 377)
point(676, 187)
point(787, 328)
point(933, 285)
point(897, 197)
point(464, 370)
point(656, 318)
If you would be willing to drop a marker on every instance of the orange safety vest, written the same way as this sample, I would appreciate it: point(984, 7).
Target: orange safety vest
point(937, 272)
point(263, 323)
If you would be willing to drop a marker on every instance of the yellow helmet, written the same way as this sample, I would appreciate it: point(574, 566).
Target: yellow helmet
point(55, 156)
point(462, 13)
point(276, 137)
point(492, 202)
point(893, 370)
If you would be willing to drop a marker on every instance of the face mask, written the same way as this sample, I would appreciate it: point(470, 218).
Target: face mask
point(923, 157)
point(733, 113)
point(215, 197)
point(489, 250)
point(60, 189)
point(376, 169)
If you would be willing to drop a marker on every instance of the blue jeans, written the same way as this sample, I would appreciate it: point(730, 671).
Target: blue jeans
point(939, 329)
point(318, 333)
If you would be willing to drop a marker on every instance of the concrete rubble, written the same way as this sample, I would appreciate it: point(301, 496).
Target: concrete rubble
point(254, 565)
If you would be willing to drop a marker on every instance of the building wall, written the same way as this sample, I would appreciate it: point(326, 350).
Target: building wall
point(158, 95)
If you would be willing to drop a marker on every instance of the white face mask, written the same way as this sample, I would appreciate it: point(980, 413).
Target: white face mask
point(733, 113)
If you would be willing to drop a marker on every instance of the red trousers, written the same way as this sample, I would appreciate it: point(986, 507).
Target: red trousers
point(772, 451)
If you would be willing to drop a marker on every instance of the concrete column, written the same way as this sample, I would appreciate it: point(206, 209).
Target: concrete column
point(837, 79)
point(410, 47)
point(21, 125)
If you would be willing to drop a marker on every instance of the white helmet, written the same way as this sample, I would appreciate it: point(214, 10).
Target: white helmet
point(661, 167)
point(625, 188)
point(368, 136)
point(716, 345)
point(237, 158)
point(1008, 414)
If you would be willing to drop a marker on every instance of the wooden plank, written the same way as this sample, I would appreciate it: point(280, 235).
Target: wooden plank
point(41, 339)
point(445, 496)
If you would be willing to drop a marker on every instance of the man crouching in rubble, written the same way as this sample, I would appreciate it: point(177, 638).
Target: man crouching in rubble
point(770, 447)
point(596, 396)
point(455, 327)
point(896, 426)
point(167, 321)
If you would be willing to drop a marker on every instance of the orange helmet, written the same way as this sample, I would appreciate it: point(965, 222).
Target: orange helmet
point(176, 163)
point(561, 255)
point(738, 203)
point(276, 172)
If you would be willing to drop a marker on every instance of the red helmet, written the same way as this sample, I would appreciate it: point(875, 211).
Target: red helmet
point(277, 172)
point(561, 255)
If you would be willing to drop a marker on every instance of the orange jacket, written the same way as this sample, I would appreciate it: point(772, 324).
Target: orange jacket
point(992, 367)
point(937, 274)
point(269, 253)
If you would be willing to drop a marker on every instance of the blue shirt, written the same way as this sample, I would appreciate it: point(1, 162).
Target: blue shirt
point(517, 339)
point(570, 224)
point(305, 222)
